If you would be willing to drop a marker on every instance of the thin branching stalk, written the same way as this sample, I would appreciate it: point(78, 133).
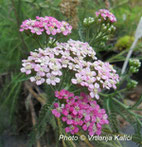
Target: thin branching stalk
point(126, 107)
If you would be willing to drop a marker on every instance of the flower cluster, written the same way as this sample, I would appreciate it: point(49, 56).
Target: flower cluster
point(79, 112)
point(47, 24)
point(134, 65)
point(48, 65)
point(88, 21)
point(95, 76)
point(105, 15)
point(132, 84)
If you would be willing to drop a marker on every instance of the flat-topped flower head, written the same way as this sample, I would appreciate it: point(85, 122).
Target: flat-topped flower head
point(105, 15)
point(79, 114)
point(47, 24)
point(76, 57)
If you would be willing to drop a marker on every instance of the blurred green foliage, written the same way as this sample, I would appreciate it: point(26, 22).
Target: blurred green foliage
point(128, 14)
point(124, 43)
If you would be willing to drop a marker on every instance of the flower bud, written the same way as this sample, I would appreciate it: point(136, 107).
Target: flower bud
point(52, 42)
point(134, 65)
point(88, 21)
point(100, 33)
point(104, 27)
point(109, 30)
point(132, 84)
point(104, 37)
point(102, 44)
point(133, 69)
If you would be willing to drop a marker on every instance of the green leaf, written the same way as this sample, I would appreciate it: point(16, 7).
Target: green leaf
point(44, 5)
point(137, 103)
point(29, 1)
point(56, 2)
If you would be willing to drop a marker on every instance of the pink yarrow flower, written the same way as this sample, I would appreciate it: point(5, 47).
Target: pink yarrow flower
point(47, 24)
point(48, 65)
point(106, 15)
point(79, 112)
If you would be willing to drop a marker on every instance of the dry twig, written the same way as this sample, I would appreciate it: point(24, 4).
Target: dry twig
point(33, 115)
point(39, 98)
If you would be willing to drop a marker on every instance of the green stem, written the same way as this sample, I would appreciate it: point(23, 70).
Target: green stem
point(62, 80)
point(53, 43)
point(75, 90)
point(118, 55)
point(86, 140)
point(126, 107)
point(87, 34)
point(38, 42)
point(47, 37)
point(113, 94)
point(136, 109)
point(121, 104)
point(116, 58)
point(108, 106)
point(60, 131)
point(52, 88)
point(91, 41)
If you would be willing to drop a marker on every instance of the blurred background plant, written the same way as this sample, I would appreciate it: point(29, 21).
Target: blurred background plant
point(69, 9)
point(124, 43)
point(15, 99)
